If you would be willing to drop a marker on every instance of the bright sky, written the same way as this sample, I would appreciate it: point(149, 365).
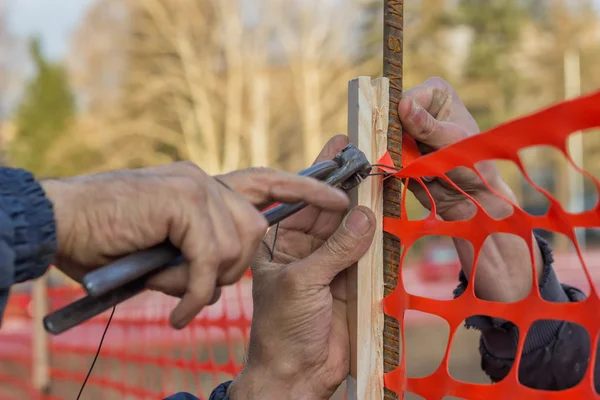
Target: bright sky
point(52, 20)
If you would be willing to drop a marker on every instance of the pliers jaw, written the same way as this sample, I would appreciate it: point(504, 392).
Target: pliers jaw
point(354, 168)
point(347, 170)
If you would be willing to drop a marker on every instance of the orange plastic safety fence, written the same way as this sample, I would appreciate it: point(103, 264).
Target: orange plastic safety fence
point(550, 127)
point(142, 356)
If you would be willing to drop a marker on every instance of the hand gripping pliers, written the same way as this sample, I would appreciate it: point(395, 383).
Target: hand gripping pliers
point(126, 277)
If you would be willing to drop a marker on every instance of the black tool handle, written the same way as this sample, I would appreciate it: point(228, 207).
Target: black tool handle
point(129, 268)
point(88, 307)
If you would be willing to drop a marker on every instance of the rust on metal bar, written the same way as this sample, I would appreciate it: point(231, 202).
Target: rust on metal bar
point(393, 69)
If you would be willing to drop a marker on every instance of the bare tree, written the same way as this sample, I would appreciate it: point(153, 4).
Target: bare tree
point(314, 38)
point(96, 63)
point(207, 79)
point(12, 58)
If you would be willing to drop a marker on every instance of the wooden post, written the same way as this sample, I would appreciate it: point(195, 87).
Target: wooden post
point(41, 356)
point(368, 103)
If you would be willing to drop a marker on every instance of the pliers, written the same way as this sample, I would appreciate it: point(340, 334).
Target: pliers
point(126, 277)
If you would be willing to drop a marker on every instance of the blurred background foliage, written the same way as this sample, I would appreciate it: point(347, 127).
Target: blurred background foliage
point(234, 83)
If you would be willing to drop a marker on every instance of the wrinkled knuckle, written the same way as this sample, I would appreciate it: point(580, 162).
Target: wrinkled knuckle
point(233, 252)
point(339, 246)
point(229, 255)
point(264, 170)
point(253, 182)
point(230, 277)
point(190, 190)
point(429, 127)
point(260, 171)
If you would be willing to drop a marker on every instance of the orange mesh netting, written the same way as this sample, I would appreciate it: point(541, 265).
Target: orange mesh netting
point(550, 127)
point(142, 356)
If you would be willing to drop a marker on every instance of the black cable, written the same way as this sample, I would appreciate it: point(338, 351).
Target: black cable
point(97, 353)
point(274, 242)
point(386, 166)
point(271, 248)
point(383, 173)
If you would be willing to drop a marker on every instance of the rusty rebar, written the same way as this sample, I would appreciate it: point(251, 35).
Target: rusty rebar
point(393, 69)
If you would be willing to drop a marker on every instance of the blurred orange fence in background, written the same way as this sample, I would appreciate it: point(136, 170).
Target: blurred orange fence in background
point(142, 356)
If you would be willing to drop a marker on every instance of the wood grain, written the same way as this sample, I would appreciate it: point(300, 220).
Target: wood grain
point(368, 103)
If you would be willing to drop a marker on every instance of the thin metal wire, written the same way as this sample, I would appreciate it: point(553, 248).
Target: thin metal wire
point(385, 166)
point(97, 353)
point(381, 174)
point(387, 174)
point(272, 250)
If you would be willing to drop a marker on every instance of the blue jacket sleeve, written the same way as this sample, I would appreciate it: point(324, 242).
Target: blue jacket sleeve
point(27, 230)
point(556, 353)
point(220, 393)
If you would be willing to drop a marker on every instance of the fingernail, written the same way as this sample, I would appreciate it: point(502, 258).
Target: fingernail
point(357, 223)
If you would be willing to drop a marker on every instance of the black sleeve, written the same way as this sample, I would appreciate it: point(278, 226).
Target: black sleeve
point(27, 230)
point(181, 396)
point(556, 353)
point(220, 392)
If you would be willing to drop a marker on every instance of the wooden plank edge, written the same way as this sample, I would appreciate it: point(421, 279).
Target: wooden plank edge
point(368, 106)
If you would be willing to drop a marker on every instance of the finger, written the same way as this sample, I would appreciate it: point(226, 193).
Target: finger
point(226, 232)
point(345, 247)
point(435, 95)
point(216, 296)
point(312, 216)
point(250, 227)
point(174, 281)
point(306, 219)
point(201, 287)
point(441, 100)
point(265, 185)
point(195, 239)
point(332, 147)
point(424, 128)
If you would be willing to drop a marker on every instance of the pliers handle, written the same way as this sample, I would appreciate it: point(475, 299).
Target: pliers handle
point(126, 277)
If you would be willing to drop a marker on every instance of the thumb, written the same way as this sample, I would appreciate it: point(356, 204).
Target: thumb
point(345, 247)
point(424, 128)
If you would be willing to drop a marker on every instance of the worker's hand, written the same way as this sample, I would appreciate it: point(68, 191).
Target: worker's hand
point(299, 344)
point(213, 221)
point(433, 114)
